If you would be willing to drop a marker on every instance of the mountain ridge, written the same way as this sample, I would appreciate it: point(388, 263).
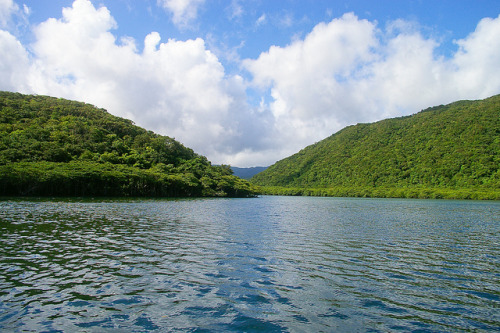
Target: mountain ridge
point(247, 173)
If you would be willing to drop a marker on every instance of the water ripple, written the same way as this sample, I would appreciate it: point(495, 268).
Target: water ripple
point(268, 264)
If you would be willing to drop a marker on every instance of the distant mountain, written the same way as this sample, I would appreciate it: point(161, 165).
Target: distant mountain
point(247, 173)
point(455, 146)
point(52, 146)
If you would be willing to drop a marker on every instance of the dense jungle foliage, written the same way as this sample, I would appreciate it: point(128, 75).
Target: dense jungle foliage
point(51, 146)
point(448, 151)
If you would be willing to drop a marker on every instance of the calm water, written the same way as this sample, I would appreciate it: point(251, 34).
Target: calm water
point(264, 264)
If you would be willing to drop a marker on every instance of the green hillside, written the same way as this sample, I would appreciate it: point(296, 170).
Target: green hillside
point(445, 151)
point(51, 146)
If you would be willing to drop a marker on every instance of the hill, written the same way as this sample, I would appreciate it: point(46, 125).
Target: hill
point(51, 146)
point(445, 151)
point(247, 173)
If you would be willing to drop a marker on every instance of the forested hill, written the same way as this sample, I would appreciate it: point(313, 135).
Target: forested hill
point(454, 147)
point(51, 146)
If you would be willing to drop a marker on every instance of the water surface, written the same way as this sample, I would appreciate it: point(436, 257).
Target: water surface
point(273, 264)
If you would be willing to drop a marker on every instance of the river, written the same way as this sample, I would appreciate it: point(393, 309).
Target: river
point(270, 264)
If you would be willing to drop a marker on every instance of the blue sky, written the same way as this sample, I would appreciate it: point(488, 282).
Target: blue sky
point(250, 82)
point(235, 24)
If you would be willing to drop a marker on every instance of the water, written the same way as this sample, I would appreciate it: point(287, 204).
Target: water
point(273, 264)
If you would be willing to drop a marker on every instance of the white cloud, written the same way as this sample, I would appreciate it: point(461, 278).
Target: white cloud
point(14, 63)
point(477, 61)
point(235, 9)
point(261, 20)
point(11, 16)
point(183, 11)
point(7, 8)
point(349, 71)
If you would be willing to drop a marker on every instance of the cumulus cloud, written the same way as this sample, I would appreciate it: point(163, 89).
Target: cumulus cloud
point(183, 11)
point(14, 63)
point(477, 63)
point(350, 71)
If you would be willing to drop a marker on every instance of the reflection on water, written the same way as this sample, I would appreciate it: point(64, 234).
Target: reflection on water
point(262, 264)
